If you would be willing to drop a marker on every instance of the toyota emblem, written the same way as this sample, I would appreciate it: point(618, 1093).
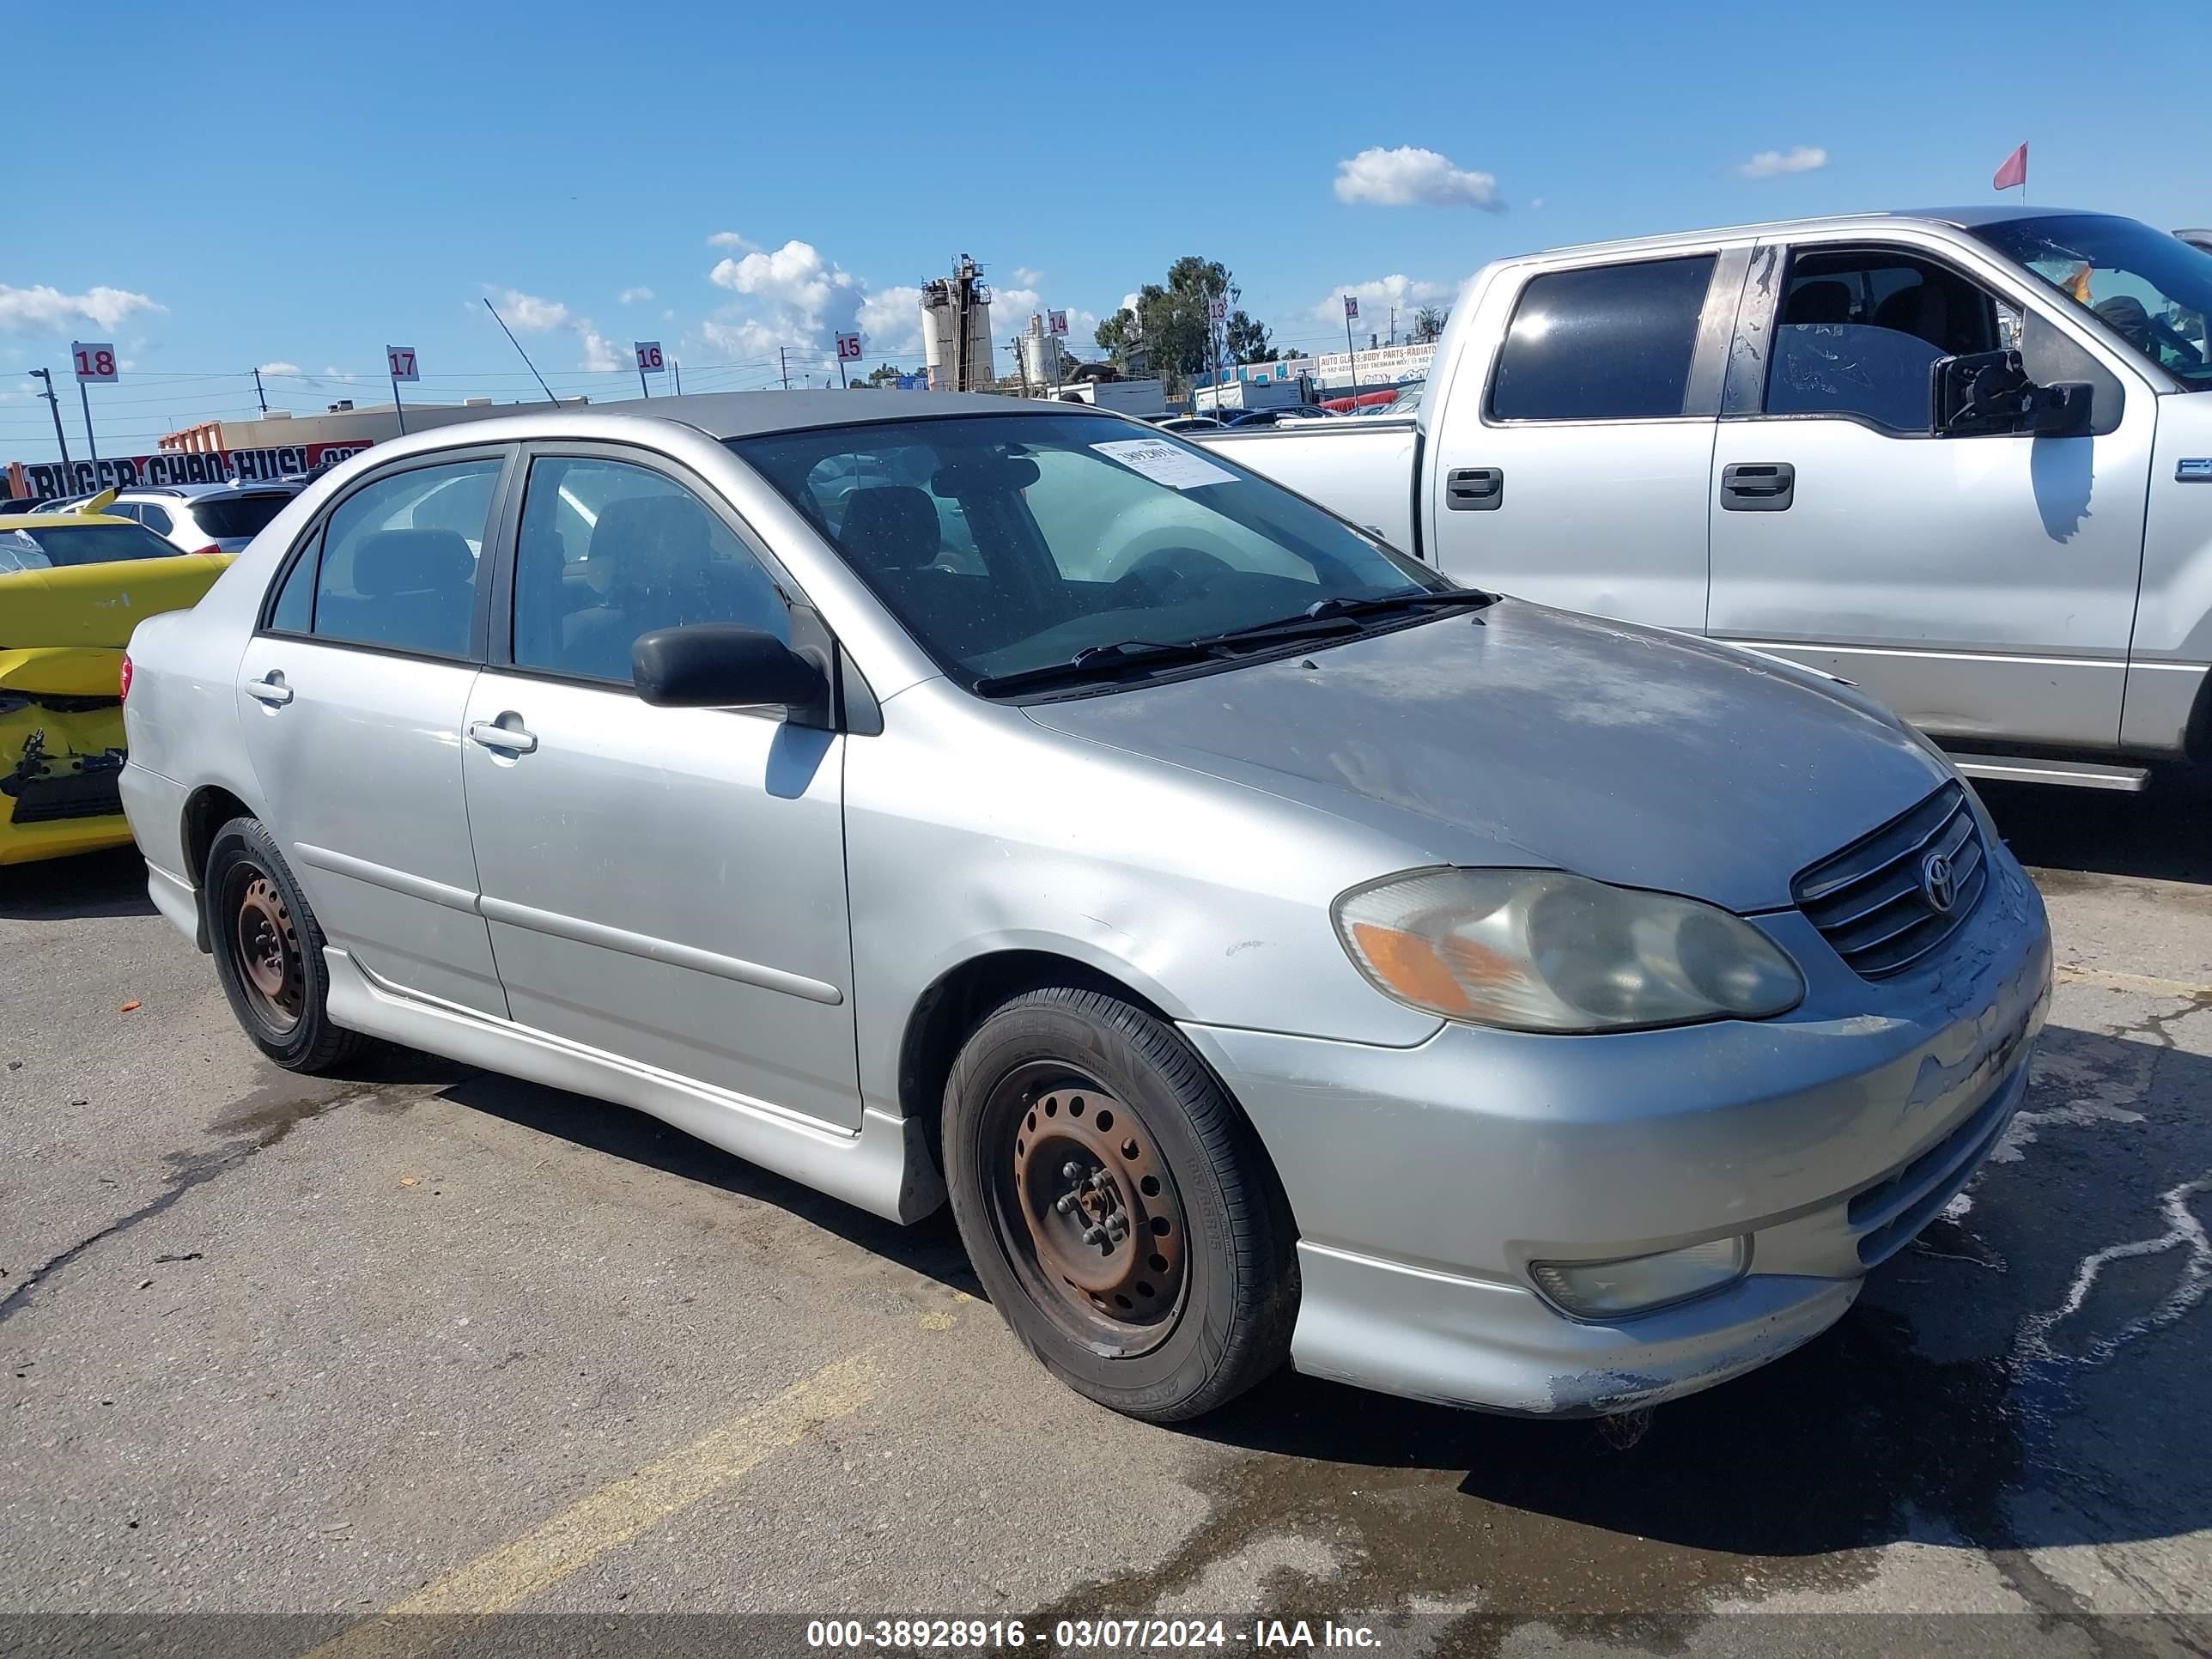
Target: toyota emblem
point(1938, 885)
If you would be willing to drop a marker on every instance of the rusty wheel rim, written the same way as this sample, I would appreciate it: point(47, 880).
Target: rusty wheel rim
point(1089, 1210)
point(265, 949)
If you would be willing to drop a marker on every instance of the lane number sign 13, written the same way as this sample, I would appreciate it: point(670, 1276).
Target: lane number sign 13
point(401, 361)
point(95, 361)
point(649, 361)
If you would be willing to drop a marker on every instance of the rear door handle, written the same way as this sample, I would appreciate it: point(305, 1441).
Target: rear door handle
point(269, 689)
point(1475, 488)
point(1758, 487)
point(509, 739)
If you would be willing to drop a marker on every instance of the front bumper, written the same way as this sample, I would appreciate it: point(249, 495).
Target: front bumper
point(1425, 1181)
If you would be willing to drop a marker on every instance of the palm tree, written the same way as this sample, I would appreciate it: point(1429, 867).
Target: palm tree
point(1429, 322)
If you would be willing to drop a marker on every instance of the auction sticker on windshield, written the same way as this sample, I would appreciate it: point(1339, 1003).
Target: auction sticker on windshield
point(1164, 463)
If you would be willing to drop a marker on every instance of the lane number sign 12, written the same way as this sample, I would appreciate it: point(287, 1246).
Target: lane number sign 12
point(401, 361)
point(95, 361)
point(649, 360)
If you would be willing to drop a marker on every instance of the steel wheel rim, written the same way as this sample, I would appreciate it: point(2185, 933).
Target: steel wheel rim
point(265, 948)
point(1086, 1209)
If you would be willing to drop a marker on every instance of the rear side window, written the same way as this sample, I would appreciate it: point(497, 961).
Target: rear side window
point(1611, 343)
point(229, 518)
point(155, 518)
point(399, 560)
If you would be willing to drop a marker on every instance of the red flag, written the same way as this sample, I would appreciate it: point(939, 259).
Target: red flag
point(2014, 172)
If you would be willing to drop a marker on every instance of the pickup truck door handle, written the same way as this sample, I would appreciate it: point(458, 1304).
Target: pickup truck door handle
point(1475, 488)
point(269, 689)
point(1758, 487)
point(508, 739)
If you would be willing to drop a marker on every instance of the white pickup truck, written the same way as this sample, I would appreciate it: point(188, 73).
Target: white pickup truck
point(1963, 459)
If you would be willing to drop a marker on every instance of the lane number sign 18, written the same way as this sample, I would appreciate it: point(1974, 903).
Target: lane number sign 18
point(95, 361)
point(848, 348)
point(401, 361)
point(649, 360)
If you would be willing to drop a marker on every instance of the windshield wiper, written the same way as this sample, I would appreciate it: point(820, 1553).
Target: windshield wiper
point(1097, 662)
point(1460, 598)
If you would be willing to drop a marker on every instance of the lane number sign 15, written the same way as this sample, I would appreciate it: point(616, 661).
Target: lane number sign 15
point(401, 361)
point(649, 360)
point(95, 361)
point(848, 348)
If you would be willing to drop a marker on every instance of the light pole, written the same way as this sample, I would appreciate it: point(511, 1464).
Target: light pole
point(54, 407)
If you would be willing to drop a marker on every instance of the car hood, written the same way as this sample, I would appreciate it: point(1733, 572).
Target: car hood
point(1522, 734)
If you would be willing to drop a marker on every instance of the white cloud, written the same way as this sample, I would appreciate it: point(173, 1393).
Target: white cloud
point(1129, 303)
point(1401, 177)
point(632, 296)
point(890, 322)
point(280, 368)
point(24, 309)
point(1768, 163)
point(600, 353)
point(728, 239)
point(793, 297)
point(1375, 298)
point(1027, 277)
point(531, 315)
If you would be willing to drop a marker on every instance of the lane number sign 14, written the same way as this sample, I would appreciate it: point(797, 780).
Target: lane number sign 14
point(401, 361)
point(649, 360)
point(95, 361)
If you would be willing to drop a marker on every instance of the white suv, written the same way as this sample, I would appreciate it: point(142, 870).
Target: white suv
point(205, 517)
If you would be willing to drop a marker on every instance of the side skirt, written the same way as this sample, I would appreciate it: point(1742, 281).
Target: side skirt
point(885, 1168)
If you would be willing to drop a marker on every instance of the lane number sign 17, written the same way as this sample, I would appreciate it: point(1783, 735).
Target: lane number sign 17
point(95, 361)
point(649, 360)
point(401, 361)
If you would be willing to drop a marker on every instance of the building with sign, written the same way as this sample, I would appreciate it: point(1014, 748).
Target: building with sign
point(342, 423)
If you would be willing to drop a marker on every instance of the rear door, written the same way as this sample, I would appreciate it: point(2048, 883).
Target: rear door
point(1574, 470)
point(1983, 586)
point(351, 697)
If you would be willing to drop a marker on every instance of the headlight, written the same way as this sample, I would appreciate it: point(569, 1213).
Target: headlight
point(1543, 950)
point(1600, 1289)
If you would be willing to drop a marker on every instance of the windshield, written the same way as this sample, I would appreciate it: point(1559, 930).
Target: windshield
point(2153, 290)
point(233, 518)
point(1007, 543)
point(49, 546)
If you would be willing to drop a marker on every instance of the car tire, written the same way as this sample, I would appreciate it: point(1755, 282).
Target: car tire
point(1117, 1205)
point(269, 952)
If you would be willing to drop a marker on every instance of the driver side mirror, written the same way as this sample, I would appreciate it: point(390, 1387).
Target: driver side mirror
point(1986, 392)
point(721, 665)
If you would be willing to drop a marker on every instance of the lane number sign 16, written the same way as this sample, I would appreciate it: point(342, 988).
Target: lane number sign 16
point(95, 361)
point(401, 362)
point(649, 361)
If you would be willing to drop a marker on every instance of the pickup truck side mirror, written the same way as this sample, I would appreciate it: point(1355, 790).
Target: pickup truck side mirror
point(721, 665)
point(1986, 392)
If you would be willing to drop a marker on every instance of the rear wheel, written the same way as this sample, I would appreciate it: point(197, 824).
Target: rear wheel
point(1117, 1206)
point(269, 952)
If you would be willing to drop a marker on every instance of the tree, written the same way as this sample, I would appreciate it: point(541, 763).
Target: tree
point(1429, 321)
point(1170, 321)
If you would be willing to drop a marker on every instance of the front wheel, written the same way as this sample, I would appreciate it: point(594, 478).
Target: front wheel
point(269, 952)
point(1117, 1206)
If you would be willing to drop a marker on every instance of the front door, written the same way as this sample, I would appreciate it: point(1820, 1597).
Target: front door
point(1983, 586)
point(351, 696)
point(663, 885)
point(1573, 471)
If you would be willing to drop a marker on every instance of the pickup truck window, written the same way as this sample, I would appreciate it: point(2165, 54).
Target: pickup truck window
point(1859, 328)
point(1608, 343)
point(2153, 290)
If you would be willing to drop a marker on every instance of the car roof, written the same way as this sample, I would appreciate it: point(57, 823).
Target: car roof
point(746, 414)
point(1961, 218)
point(195, 491)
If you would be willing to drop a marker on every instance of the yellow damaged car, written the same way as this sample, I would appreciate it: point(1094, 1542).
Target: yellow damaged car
point(72, 586)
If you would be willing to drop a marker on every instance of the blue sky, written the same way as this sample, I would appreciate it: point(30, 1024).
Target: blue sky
point(297, 186)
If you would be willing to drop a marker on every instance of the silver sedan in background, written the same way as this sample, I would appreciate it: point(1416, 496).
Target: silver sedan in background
point(1272, 950)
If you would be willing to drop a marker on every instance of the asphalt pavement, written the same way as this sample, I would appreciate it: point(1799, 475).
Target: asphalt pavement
point(423, 1359)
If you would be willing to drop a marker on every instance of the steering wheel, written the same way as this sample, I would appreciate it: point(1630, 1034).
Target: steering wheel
point(2191, 356)
point(1170, 574)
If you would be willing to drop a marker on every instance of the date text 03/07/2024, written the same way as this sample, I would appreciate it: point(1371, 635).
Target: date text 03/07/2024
point(1085, 1634)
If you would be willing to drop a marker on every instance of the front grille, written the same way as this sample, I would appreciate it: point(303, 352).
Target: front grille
point(1871, 900)
point(1893, 1210)
point(74, 795)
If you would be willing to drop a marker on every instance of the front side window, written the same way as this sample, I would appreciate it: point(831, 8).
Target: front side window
point(399, 560)
point(608, 551)
point(1612, 343)
point(1007, 543)
point(2153, 290)
point(1859, 331)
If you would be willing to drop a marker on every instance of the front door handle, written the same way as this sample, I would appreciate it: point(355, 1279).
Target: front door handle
point(269, 689)
point(1758, 487)
point(508, 739)
point(1475, 488)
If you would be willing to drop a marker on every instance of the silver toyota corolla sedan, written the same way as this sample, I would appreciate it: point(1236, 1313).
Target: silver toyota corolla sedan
point(1271, 950)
